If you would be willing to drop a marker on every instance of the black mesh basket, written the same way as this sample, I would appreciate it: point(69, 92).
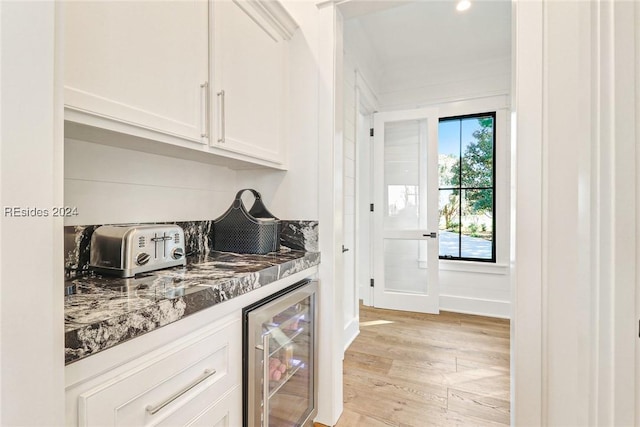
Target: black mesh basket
point(256, 231)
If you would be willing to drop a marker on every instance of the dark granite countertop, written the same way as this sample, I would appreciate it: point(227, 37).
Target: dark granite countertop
point(107, 311)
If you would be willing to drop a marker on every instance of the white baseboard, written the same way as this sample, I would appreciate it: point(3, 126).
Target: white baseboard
point(351, 331)
point(482, 307)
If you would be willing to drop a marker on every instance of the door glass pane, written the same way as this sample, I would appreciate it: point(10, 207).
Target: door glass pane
point(402, 163)
point(405, 265)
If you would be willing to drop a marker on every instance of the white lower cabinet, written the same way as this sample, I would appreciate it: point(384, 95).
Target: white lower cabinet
point(195, 382)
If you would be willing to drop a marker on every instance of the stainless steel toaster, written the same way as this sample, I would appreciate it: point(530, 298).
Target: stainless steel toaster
point(126, 250)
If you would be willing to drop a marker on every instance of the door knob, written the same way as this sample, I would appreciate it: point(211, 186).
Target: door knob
point(432, 235)
point(344, 249)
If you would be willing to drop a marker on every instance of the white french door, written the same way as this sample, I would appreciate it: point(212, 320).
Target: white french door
point(405, 216)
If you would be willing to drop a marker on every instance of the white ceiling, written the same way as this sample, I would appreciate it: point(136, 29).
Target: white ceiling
point(401, 31)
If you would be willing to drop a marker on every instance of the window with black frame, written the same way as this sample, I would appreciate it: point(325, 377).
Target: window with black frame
point(466, 154)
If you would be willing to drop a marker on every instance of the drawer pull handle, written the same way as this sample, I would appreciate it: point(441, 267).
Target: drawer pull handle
point(154, 409)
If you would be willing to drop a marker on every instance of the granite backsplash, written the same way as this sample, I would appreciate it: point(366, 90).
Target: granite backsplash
point(199, 238)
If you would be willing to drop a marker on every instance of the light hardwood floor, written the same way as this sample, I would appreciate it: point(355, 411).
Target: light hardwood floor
point(409, 369)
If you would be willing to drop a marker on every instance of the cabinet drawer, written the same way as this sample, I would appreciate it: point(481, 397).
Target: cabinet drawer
point(185, 380)
point(226, 412)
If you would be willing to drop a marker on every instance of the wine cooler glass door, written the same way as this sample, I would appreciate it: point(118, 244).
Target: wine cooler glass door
point(284, 355)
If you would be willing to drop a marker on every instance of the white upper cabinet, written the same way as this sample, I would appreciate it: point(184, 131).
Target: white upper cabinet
point(138, 63)
point(137, 74)
point(249, 41)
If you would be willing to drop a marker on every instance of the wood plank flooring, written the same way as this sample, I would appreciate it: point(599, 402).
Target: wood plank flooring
point(409, 369)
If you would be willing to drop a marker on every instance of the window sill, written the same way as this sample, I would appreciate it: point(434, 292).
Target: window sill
point(474, 267)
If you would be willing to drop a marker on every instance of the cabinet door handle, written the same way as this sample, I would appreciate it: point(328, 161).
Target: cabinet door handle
point(204, 93)
point(154, 409)
point(222, 119)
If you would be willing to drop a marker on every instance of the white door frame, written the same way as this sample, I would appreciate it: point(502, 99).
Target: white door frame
point(637, 216)
point(32, 309)
point(572, 324)
point(526, 152)
point(330, 200)
point(349, 248)
point(366, 104)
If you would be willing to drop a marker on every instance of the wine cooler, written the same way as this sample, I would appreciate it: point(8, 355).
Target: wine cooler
point(279, 358)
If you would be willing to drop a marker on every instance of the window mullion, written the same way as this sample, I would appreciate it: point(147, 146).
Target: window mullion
point(460, 191)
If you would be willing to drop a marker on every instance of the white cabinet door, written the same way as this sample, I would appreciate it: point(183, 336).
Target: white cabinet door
point(138, 62)
point(249, 75)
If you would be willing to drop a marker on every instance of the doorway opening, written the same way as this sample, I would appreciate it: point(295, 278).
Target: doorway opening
point(400, 58)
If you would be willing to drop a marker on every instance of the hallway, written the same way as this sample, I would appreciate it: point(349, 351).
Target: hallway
point(410, 369)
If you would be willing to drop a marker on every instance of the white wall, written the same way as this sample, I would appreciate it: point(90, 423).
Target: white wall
point(31, 273)
point(361, 56)
point(294, 194)
point(474, 287)
point(455, 89)
point(114, 185)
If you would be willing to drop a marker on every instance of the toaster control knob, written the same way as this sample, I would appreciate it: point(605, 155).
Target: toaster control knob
point(142, 258)
point(177, 253)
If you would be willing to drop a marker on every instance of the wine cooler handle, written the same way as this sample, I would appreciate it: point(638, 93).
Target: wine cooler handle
point(265, 379)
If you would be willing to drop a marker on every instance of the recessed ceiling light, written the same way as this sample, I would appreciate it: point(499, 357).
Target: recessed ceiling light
point(463, 5)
